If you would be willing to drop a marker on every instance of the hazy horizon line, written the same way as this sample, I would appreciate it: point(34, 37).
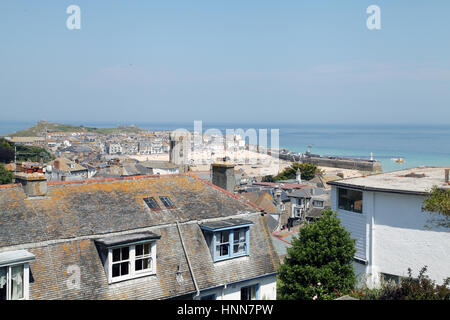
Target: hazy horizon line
point(247, 123)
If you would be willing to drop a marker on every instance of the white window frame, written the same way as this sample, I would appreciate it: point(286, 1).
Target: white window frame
point(25, 280)
point(317, 201)
point(132, 260)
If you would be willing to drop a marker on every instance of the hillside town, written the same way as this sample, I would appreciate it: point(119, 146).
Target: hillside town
point(146, 172)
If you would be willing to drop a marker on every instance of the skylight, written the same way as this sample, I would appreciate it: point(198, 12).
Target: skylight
point(152, 204)
point(167, 202)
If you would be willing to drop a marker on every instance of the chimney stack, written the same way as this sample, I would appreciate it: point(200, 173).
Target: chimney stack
point(32, 179)
point(223, 175)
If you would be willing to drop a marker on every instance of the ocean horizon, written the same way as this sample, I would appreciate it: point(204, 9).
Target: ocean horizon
point(418, 145)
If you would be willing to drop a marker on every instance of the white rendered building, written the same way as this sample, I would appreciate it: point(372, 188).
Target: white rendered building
point(384, 213)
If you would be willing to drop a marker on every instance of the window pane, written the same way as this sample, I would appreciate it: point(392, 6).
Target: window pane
point(125, 253)
point(138, 265)
point(223, 237)
point(239, 248)
point(139, 249)
point(146, 263)
point(244, 293)
point(17, 282)
point(253, 293)
point(124, 268)
point(224, 250)
point(147, 247)
point(116, 270)
point(239, 236)
point(143, 264)
point(3, 283)
point(116, 255)
point(350, 200)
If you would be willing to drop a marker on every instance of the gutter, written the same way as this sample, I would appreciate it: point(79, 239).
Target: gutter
point(225, 285)
point(189, 263)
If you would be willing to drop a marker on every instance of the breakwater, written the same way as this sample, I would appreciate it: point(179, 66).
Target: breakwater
point(335, 162)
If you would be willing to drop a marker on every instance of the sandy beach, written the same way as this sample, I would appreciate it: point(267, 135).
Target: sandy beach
point(250, 163)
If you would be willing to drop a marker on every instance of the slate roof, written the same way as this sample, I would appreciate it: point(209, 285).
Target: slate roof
point(262, 199)
point(61, 230)
point(64, 165)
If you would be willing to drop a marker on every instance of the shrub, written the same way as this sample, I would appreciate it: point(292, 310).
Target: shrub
point(410, 288)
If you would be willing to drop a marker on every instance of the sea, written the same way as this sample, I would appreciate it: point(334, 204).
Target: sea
point(417, 145)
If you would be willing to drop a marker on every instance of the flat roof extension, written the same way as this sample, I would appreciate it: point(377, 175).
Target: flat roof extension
point(411, 181)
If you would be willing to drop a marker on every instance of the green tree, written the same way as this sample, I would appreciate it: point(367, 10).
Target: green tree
point(24, 152)
point(308, 171)
point(6, 176)
point(438, 201)
point(6, 151)
point(268, 178)
point(319, 263)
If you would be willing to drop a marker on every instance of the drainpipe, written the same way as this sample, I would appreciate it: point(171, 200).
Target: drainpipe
point(189, 263)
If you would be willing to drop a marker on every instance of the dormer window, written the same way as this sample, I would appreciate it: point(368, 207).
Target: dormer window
point(227, 239)
point(129, 256)
point(14, 274)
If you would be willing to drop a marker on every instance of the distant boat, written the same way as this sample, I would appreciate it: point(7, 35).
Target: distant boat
point(398, 160)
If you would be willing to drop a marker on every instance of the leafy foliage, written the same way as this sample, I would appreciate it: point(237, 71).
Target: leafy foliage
point(308, 171)
point(6, 151)
point(322, 254)
point(268, 178)
point(410, 288)
point(6, 176)
point(31, 153)
point(24, 152)
point(438, 201)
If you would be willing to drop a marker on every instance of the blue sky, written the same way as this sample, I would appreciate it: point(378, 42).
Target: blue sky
point(226, 61)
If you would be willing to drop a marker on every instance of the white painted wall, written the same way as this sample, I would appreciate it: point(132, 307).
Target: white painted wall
point(398, 236)
point(267, 289)
point(402, 240)
point(165, 171)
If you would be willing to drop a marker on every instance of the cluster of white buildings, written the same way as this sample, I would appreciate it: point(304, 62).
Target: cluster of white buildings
point(137, 146)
